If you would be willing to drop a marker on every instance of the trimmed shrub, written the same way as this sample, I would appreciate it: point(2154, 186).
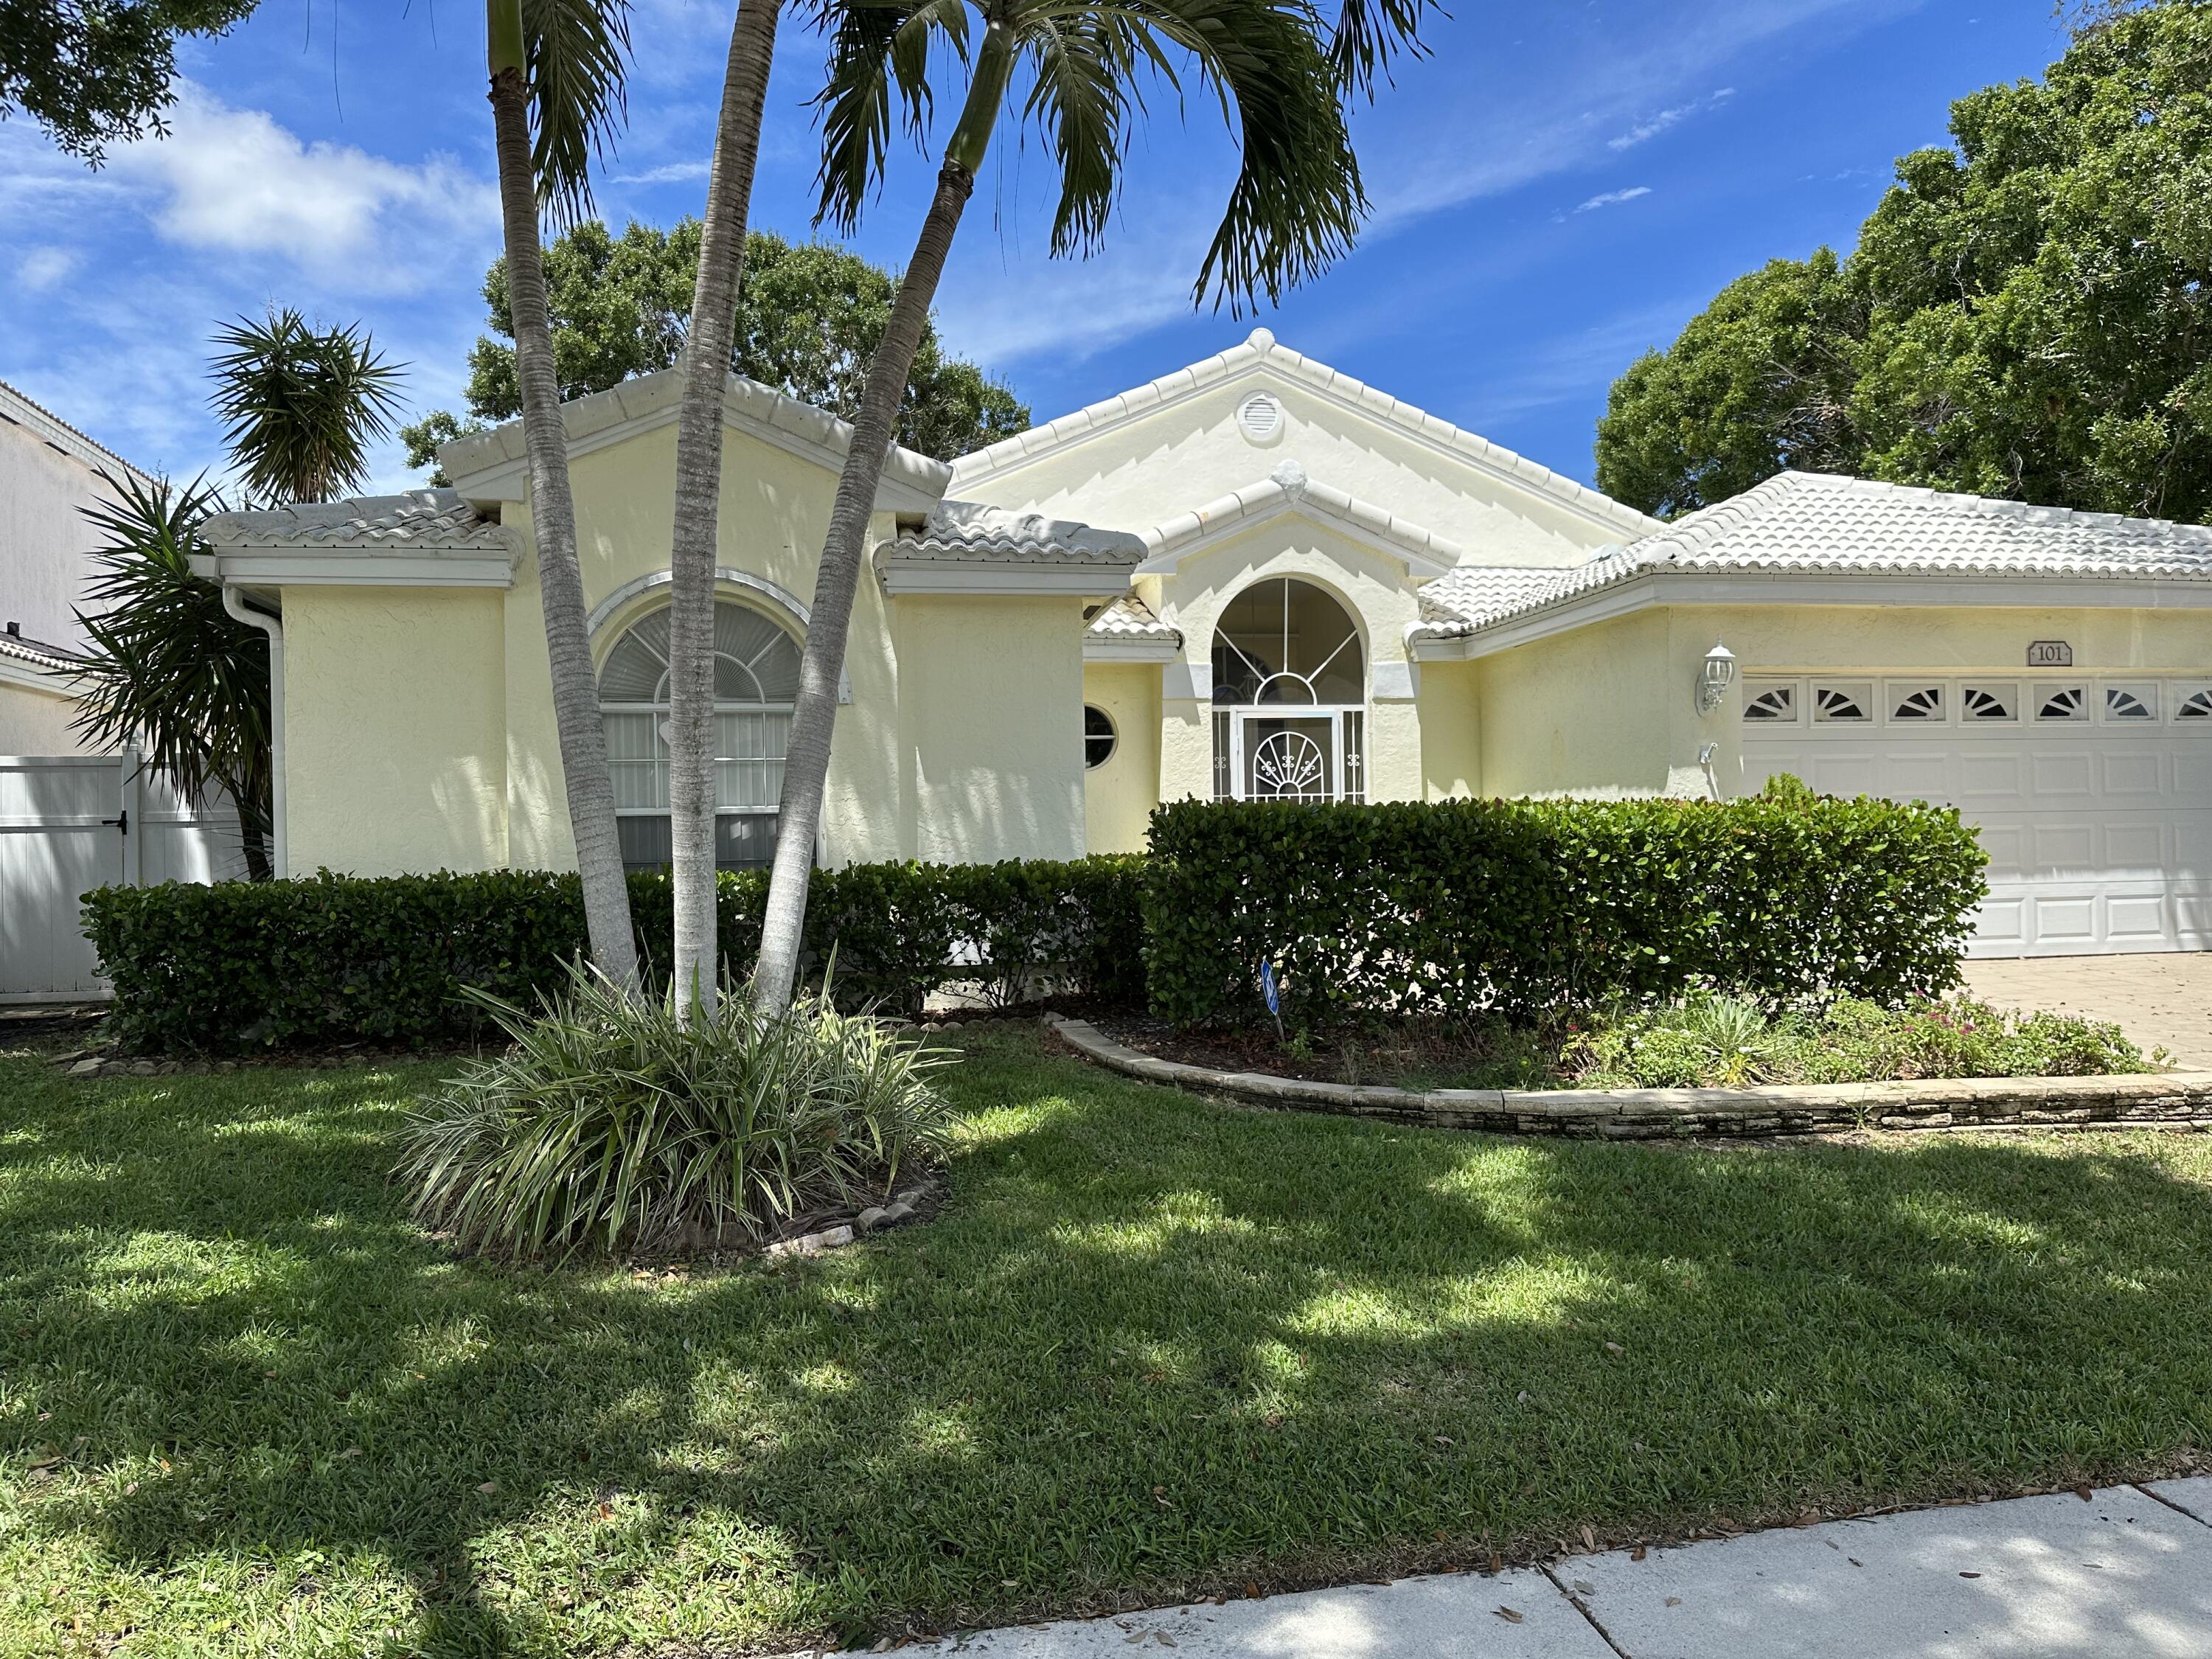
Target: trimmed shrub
point(333, 959)
point(605, 1122)
point(1397, 909)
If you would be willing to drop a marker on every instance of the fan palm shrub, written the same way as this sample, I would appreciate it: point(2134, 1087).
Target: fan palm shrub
point(624, 1122)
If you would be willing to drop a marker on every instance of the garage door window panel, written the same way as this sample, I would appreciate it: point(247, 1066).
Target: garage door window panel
point(1981, 700)
point(1919, 702)
point(2130, 704)
point(1776, 703)
point(1843, 703)
point(2062, 702)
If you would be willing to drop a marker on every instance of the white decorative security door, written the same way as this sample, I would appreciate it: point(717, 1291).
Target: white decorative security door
point(1289, 684)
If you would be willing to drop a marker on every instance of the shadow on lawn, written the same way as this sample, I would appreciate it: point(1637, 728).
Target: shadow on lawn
point(1154, 1345)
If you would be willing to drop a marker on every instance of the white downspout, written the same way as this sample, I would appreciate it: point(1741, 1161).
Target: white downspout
point(233, 602)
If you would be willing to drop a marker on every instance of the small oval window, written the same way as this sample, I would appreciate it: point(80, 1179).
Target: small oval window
point(1097, 736)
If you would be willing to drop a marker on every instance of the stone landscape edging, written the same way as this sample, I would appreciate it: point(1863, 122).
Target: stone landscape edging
point(2165, 1100)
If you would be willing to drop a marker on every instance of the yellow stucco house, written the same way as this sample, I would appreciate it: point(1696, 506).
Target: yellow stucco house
point(1254, 578)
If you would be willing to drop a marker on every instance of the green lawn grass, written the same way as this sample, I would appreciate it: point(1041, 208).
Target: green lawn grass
point(1154, 1348)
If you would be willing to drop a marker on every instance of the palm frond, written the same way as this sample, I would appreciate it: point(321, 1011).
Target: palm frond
point(1298, 201)
point(1371, 33)
point(579, 59)
point(302, 404)
point(168, 669)
point(1083, 94)
point(876, 46)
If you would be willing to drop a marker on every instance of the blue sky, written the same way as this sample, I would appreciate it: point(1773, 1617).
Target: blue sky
point(1556, 188)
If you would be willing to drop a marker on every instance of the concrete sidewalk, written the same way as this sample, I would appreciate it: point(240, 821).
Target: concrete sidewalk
point(2126, 1575)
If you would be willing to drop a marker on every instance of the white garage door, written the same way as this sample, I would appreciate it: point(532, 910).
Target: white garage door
point(2093, 796)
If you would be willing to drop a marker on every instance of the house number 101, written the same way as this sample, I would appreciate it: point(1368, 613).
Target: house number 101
point(2050, 653)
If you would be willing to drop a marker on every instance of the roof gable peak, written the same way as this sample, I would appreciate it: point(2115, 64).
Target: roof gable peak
point(1261, 355)
point(1288, 489)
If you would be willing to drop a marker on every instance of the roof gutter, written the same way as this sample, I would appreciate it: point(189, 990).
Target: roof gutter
point(234, 603)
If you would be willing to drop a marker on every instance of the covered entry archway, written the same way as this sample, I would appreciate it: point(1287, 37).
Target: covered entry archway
point(1289, 711)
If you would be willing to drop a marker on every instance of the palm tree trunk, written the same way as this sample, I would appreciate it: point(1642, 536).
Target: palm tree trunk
point(692, 554)
point(553, 522)
point(254, 844)
point(806, 758)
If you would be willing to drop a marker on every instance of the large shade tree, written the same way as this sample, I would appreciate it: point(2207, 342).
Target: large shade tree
point(2029, 313)
point(557, 70)
point(1078, 73)
point(809, 315)
point(97, 72)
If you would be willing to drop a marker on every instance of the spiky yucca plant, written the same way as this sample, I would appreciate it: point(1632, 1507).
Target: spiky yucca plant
point(611, 1122)
point(164, 667)
point(302, 404)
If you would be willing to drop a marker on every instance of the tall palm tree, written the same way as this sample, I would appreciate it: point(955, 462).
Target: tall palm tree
point(303, 404)
point(692, 555)
point(557, 70)
point(167, 668)
point(1278, 70)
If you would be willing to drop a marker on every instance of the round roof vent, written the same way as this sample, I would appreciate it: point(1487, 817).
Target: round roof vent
point(1260, 417)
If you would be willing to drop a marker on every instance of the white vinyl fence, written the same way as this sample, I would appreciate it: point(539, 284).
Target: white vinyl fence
point(71, 823)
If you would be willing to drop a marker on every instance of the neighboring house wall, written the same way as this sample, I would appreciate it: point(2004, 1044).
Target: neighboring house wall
point(48, 473)
point(35, 720)
point(1118, 797)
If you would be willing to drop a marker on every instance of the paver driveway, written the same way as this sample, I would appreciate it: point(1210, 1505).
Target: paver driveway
point(2158, 1000)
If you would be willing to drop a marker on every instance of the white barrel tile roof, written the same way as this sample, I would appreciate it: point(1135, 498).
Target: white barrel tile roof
point(967, 532)
point(417, 521)
point(1820, 523)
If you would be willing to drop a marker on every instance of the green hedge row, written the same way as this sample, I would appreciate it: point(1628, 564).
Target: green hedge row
point(1445, 908)
point(339, 959)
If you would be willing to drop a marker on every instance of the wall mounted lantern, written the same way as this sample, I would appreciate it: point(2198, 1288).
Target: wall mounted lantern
point(1715, 674)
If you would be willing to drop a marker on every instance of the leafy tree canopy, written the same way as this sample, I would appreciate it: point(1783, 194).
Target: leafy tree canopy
point(809, 316)
point(2024, 316)
point(94, 72)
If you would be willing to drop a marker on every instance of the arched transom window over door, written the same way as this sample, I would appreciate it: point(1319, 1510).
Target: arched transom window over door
point(755, 682)
point(1289, 690)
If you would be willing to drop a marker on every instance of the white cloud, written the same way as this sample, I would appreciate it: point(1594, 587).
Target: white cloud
point(235, 180)
point(1652, 126)
point(43, 267)
point(1614, 197)
point(673, 172)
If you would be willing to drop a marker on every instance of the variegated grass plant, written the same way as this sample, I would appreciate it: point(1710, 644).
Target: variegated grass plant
point(609, 1123)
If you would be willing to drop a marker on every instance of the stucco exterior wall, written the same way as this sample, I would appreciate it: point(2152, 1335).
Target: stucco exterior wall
point(1584, 713)
point(1189, 453)
point(1448, 708)
point(990, 697)
point(33, 721)
point(394, 729)
point(1118, 797)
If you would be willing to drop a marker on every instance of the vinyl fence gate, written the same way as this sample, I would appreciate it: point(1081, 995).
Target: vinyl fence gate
point(71, 823)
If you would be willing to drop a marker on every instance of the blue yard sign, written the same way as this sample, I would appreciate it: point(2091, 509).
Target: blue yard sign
point(1270, 989)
